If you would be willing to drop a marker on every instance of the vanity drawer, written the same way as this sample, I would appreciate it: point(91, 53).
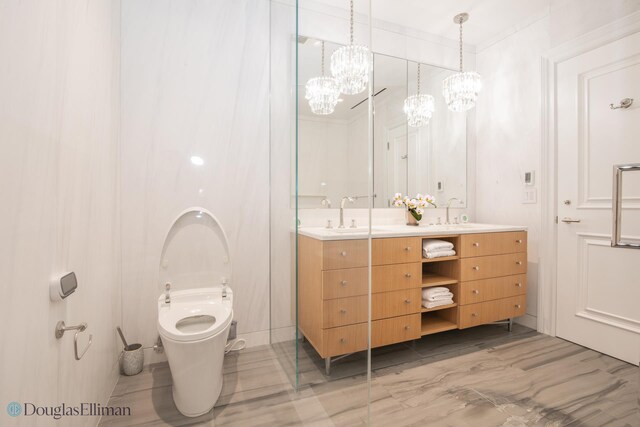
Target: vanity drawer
point(344, 254)
point(473, 245)
point(345, 339)
point(470, 315)
point(492, 266)
point(395, 329)
point(397, 303)
point(345, 283)
point(505, 308)
point(396, 250)
point(396, 277)
point(344, 311)
point(490, 289)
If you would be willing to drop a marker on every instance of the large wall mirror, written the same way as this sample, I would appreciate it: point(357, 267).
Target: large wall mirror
point(333, 151)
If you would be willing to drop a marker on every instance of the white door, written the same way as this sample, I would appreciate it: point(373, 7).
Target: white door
point(598, 297)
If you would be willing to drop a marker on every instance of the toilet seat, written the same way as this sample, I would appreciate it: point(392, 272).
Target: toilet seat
point(193, 321)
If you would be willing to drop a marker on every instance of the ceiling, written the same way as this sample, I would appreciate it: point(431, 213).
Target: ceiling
point(488, 18)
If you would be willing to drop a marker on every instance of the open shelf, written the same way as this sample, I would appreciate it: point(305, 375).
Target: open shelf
point(440, 259)
point(432, 324)
point(432, 279)
point(440, 307)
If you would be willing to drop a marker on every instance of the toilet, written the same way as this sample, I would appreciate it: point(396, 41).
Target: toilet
point(195, 309)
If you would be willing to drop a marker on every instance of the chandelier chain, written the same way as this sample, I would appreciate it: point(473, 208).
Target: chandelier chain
point(351, 23)
point(322, 60)
point(460, 44)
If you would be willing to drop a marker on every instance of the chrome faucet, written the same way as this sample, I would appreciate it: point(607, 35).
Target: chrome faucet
point(167, 293)
point(448, 206)
point(344, 199)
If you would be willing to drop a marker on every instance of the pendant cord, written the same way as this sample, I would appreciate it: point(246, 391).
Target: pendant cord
point(322, 61)
point(351, 26)
point(418, 78)
point(461, 44)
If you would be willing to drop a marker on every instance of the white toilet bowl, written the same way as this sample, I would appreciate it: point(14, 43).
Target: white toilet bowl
point(194, 327)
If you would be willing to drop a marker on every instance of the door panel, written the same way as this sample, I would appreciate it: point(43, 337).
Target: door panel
point(598, 286)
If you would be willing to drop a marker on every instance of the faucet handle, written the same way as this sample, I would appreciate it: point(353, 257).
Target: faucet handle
point(167, 286)
point(329, 225)
point(353, 223)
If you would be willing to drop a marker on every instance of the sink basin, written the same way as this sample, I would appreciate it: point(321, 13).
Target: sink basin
point(358, 230)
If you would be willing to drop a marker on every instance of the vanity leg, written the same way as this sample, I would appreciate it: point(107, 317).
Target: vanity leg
point(510, 324)
point(327, 366)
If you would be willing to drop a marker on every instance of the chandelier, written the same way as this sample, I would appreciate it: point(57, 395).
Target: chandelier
point(418, 107)
point(322, 92)
point(461, 89)
point(351, 65)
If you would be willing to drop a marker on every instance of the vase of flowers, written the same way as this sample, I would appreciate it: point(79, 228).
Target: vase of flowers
point(415, 206)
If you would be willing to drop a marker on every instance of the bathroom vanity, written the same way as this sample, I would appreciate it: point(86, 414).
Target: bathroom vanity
point(487, 277)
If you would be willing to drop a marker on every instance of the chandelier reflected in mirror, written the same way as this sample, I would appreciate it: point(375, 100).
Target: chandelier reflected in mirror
point(351, 65)
point(419, 107)
point(461, 90)
point(322, 92)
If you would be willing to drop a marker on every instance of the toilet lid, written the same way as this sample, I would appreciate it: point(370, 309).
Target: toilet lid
point(194, 322)
point(195, 253)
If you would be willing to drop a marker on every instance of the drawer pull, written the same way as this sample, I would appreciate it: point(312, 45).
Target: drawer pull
point(344, 283)
point(474, 314)
point(475, 291)
point(519, 241)
point(407, 275)
point(519, 285)
point(518, 262)
point(343, 253)
point(407, 327)
point(408, 248)
point(476, 244)
point(407, 301)
point(343, 311)
point(476, 268)
point(517, 305)
point(342, 340)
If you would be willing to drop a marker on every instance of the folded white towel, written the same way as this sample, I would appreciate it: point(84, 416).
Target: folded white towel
point(435, 245)
point(438, 254)
point(433, 304)
point(440, 297)
point(435, 291)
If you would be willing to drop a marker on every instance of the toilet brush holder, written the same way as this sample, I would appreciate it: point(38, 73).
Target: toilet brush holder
point(132, 359)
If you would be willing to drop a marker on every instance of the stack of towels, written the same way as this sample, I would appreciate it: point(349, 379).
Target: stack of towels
point(434, 248)
point(434, 297)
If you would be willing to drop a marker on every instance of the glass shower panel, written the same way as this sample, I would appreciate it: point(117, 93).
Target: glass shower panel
point(322, 181)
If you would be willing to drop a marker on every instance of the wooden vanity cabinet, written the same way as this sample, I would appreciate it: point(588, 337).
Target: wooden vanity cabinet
point(487, 277)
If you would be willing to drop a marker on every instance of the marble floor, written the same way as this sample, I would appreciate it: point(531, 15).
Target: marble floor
point(477, 377)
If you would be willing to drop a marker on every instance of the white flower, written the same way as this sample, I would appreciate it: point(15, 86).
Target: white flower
point(397, 203)
point(397, 196)
point(419, 211)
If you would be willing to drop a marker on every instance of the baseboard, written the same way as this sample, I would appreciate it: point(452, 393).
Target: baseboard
point(527, 320)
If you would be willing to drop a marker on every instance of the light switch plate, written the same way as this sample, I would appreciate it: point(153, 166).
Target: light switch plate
point(530, 195)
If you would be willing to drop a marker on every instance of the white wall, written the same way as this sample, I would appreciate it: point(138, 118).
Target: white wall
point(195, 81)
point(508, 123)
point(59, 173)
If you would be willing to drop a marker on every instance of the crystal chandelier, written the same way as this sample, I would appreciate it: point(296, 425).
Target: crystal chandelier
point(418, 107)
point(322, 92)
point(351, 65)
point(461, 89)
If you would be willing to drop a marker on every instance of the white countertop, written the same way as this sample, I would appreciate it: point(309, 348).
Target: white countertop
point(380, 231)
